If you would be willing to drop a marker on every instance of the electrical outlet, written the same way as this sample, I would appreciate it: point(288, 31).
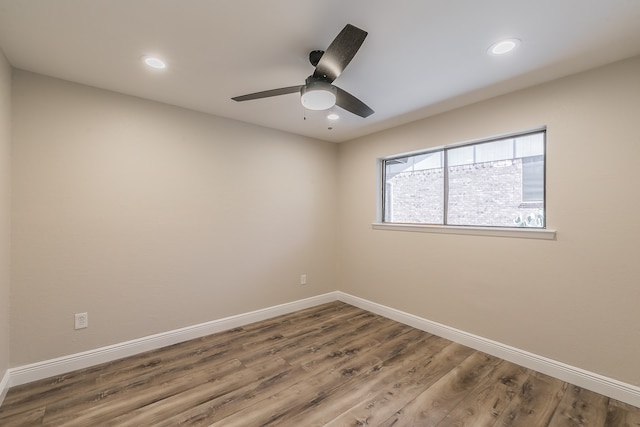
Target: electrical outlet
point(303, 279)
point(82, 320)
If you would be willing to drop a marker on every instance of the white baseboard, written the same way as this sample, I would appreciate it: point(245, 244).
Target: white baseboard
point(58, 366)
point(609, 387)
point(595, 382)
point(4, 386)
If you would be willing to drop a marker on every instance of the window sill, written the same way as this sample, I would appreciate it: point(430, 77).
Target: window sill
point(522, 233)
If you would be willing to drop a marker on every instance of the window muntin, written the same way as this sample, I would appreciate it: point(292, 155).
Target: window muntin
point(495, 183)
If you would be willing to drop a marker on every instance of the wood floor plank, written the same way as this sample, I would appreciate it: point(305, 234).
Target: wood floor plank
point(223, 406)
point(365, 398)
point(340, 366)
point(580, 408)
point(330, 365)
point(622, 416)
point(490, 398)
point(156, 412)
point(318, 359)
point(28, 418)
point(622, 405)
point(95, 408)
point(432, 405)
point(318, 408)
point(535, 403)
point(299, 346)
point(414, 374)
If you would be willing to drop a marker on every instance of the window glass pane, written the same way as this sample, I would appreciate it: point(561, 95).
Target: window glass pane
point(461, 156)
point(533, 179)
point(485, 193)
point(428, 161)
point(530, 145)
point(497, 189)
point(495, 150)
point(414, 192)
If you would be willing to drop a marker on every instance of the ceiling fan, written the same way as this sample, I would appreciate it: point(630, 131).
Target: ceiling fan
point(318, 93)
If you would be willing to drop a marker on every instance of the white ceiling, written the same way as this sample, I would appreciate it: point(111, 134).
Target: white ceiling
point(421, 57)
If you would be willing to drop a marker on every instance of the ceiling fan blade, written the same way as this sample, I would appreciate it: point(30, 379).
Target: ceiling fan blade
point(352, 104)
point(268, 93)
point(339, 53)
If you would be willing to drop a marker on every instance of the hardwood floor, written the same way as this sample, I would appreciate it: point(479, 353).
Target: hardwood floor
point(331, 365)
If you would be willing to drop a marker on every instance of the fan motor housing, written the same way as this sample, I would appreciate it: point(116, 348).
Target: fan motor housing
point(314, 56)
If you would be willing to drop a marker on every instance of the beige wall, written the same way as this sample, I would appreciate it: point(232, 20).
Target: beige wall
point(5, 209)
point(575, 299)
point(151, 217)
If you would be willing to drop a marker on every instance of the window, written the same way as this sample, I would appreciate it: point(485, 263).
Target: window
point(491, 183)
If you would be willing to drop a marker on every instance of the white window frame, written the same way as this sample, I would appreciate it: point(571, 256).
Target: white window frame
point(517, 232)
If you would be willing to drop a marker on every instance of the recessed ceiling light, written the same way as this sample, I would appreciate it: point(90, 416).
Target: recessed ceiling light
point(154, 62)
point(333, 116)
point(503, 46)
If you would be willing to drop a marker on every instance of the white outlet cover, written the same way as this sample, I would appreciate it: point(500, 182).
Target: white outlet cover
point(81, 320)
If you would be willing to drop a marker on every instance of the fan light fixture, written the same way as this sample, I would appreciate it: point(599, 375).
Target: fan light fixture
point(318, 95)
